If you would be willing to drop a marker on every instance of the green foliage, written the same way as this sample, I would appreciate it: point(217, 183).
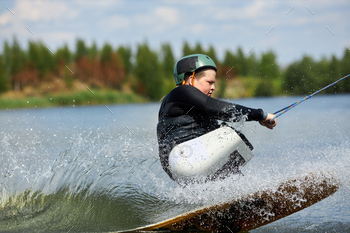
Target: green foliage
point(198, 49)
point(186, 49)
point(334, 68)
point(345, 69)
point(125, 56)
point(268, 66)
point(239, 65)
point(300, 77)
point(106, 53)
point(68, 78)
point(7, 57)
point(222, 88)
point(72, 99)
point(264, 88)
point(15, 57)
point(81, 49)
point(321, 75)
point(253, 65)
point(93, 52)
point(212, 54)
point(42, 59)
point(267, 70)
point(230, 68)
point(112, 69)
point(167, 58)
point(306, 76)
point(148, 73)
point(63, 56)
point(3, 76)
point(167, 65)
point(242, 66)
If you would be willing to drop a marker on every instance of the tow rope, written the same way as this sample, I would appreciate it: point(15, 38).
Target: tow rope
point(286, 109)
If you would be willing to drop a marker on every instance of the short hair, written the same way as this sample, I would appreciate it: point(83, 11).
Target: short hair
point(198, 74)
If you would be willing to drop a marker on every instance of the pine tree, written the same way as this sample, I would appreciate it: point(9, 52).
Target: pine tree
point(7, 57)
point(167, 60)
point(167, 63)
point(106, 53)
point(229, 67)
point(241, 63)
point(63, 56)
point(148, 73)
point(17, 56)
point(17, 64)
point(93, 52)
point(112, 68)
point(198, 49)
point(81, 49)
point(345, 69)
point(125, 55)
point(3, 76)
point(212, 54)
point(186, 49)
point(42, 59)
point(321, 75)
point(334, 68)
point(299, 77)
point(268, 66)
point(253, 65)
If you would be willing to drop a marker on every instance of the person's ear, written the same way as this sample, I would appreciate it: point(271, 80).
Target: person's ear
point(193, 80)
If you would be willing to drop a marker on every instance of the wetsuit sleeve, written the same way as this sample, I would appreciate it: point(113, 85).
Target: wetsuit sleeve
point(221, 110)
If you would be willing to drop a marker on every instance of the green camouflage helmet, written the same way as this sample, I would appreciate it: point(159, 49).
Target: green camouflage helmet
point(191, 63)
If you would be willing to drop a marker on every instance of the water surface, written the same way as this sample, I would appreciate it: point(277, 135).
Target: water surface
point(96, 168)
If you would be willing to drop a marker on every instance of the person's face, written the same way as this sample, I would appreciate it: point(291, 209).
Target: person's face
point(206, 83)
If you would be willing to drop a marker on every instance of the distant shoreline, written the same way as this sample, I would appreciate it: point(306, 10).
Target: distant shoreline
point(82, 95)
point(80, 98)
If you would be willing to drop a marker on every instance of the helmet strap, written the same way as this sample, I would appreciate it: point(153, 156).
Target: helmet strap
point(192, 76)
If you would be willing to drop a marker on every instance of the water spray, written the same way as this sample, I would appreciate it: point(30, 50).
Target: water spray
point(286, 109)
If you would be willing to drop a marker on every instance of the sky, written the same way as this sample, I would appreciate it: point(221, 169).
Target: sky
point(291, 29)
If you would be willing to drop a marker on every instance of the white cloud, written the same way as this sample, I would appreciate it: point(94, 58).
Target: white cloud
point(345, 43)
point(159, 20)
point(43, 10)
point(33, 15)
point(58, 36)
point(100, 5)
point(5, 18)
point(198, 28)
point(115, 22)
point(254, 10)
point(269, 41)
point(226, 24)
point(167, 15)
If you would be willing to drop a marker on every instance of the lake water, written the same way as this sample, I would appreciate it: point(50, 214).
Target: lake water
point(96, 169)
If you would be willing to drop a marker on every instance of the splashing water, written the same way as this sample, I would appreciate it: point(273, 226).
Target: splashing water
point(87, 170)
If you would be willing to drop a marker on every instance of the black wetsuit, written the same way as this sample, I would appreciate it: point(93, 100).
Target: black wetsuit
point(187, 113)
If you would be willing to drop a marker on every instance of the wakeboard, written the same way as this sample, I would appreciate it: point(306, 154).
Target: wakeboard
point(255, 210)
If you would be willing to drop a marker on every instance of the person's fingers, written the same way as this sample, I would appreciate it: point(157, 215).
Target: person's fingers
point(273, 122)
point(269, 120)
point(269, 124)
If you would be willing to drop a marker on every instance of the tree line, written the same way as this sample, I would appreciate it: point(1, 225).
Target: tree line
point(150, 73)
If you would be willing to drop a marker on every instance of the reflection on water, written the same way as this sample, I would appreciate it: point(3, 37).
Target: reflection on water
point(85, 169)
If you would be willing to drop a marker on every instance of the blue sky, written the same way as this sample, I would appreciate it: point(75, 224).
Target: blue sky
point(289, 28)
